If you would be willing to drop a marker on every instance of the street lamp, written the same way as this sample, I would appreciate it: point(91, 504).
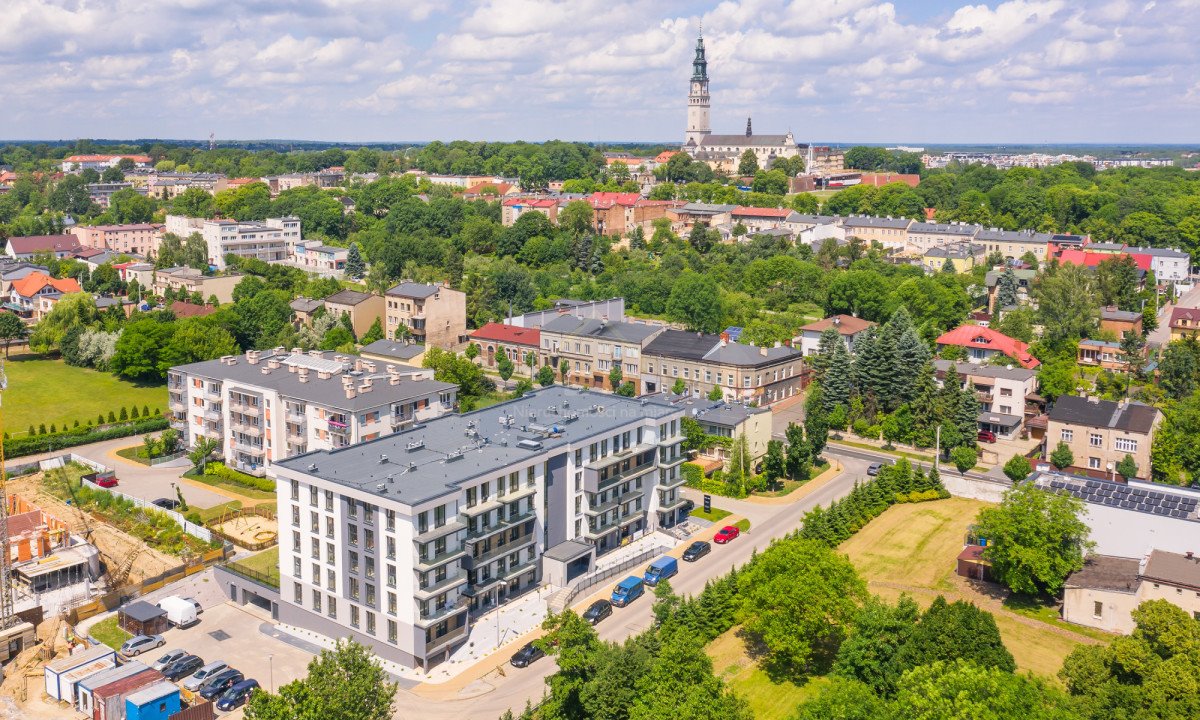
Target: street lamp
point(271, 664)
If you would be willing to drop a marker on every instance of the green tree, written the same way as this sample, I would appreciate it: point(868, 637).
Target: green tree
point(194, 341)
point(576, 218)
point(74, 310)
point(716, 394)
point(1017, 468)
point(615, 376)
point(871, 652)
point(842, 699)
point(1035, 539)
point(564, 369)
point(12, 329)
point(696, 302)
point(373, 333)
point(1067, 304)
point(573, 643)
point(545, 376)
point(747, 164)
point(953, 631)
point(774, 463)
point(1062, 457)
point(355, 267)
point(1177, 370)
point(138, 353)
point(964, 458)
point(1128, 467)
point(202, 448)
point(345, 683)
point(505, 367)
point(1006, 289)
point(679, 387)
point(963, 689)
point(1057, 378)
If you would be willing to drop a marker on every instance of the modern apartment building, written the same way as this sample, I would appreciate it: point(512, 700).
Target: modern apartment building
point(432, 314)
point(271, 240)
point(273, 404)
point(592, 348)
point(745, 373)
point(400, 541)
point(134, 239)
point(1101, 433)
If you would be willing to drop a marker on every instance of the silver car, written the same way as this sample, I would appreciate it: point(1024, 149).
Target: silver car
point(197, 679)
point(167, 659)
point(139, 644)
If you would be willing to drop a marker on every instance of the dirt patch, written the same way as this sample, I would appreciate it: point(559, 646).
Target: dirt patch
point(114, 545)
point(249, 530)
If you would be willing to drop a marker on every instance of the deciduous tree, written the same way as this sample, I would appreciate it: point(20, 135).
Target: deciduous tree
point(1035, 539)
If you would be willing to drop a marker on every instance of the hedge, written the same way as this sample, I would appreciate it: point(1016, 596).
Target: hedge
point(16, 447)
point(222, 471)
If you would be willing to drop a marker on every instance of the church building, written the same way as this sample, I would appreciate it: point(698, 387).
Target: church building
point(722, 150)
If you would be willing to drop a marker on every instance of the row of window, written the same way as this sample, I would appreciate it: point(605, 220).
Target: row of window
point(1096, 440)
point(330, 609)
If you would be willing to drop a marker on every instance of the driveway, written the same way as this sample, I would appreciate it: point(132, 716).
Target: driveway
point(1162, 334)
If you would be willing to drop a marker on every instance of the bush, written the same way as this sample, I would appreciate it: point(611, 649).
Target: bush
point(862, 428)
point(964, 458)
point(220, 470)
point(16, 447)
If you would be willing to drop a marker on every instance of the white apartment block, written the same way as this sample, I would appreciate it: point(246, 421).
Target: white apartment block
point(272, 240)
point(400, 542)
point(269, 405)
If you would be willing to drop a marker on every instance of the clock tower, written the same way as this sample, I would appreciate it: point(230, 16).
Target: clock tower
point(698, 101)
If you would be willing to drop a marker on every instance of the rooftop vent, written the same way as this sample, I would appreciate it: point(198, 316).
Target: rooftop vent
point(414, 445)
point(312, 467)
point(529, 444)
point(383, 459)
point(454, 455)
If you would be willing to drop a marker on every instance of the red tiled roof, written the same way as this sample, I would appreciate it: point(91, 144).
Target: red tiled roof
point(44, 243)
point(845, 324)
point(761, 212)
point(500, 332)
point(32, 283)
point(186, 309)
point(615, 198)
point(493, 188)
point(1092, 259)
point(98, 158)
point(974, 336)
point(665, 155)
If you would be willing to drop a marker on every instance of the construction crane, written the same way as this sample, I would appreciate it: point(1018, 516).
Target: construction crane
point(7, 615)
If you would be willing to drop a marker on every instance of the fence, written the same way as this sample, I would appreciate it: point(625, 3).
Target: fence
point(167, 458)
point(258, 576)
point(115, 598)
point(191, 528)
point(578, 585)
point(265, 511)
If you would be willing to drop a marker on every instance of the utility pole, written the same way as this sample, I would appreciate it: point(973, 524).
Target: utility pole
point(937, 450)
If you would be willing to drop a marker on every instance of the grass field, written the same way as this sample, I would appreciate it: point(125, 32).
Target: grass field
point(769, 700)
point(42, 391)
point(233, 487)
point(787, 487)
point(110, 633)
point(912, 548)
point(716, 515)
point(266, 562)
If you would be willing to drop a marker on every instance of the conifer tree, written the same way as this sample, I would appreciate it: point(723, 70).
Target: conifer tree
point(826, 346)
point(967, 416)
point(839, 379)
point(355, 267)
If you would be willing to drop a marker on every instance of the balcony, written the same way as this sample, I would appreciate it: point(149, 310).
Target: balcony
point(245, 408)
point(674, 482)
point(246, 428)
point(401, 421)
point(503, 524)
point(338, 426)
point(437, 614)
point(672, 460)
point(672, 505)
point(434, 533)
point(432, 561)
point(247, 447)
point(497, 552)
point(600, 529)
point(451, 636)
point(294, 416)
point(615, 502)
point(437, 588)
point(515, 570)
point(296, 436)
point(212, 394)
point(592, 481)
point(212, 414)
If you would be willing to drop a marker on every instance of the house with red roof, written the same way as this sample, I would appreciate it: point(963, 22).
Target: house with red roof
point(24, 248)
point(496, 339)
point(34, 295)
point(982, 344)
point(496, 189)
point(1184, 323)
point(513, 208)
point(78, 163)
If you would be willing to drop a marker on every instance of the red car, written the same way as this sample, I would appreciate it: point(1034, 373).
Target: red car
point(104, 480)
point(726, 534)
point(987, 436)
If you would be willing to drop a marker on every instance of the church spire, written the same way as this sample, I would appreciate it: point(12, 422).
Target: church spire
point(699, 64)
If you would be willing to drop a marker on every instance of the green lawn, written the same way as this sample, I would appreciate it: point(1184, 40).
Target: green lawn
point(266, 562)
point(743, 524)
point(1047, 612)
point(768, 700)
point(231, 486)
point(110, 633)
point(716, 515)
point(786, 487)
point(42, 391)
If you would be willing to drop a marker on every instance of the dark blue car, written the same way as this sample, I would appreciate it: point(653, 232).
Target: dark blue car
point(237, 695)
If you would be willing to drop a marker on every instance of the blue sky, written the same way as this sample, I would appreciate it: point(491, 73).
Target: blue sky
point(389, 70)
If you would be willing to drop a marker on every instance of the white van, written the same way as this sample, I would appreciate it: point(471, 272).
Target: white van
point(180, 612)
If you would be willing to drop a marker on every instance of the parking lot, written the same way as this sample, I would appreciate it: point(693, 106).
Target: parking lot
point(231, 633)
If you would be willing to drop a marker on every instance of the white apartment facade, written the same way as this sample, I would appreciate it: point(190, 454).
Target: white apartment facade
point(400, 542)
point(924, 236)
point(272, 240)
point(269, 405)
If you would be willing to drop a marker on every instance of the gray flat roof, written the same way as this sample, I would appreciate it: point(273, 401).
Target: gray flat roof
point(325, 392)
point(398, 349)
point(444, 453)
point(567, 551)
point(621, 330)
point(993, 371)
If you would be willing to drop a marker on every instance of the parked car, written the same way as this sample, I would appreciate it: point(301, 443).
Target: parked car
point(196, 603)
point(165, 503)
point(237, 695)
point(696, 551)
point(167, 659)
point(597, 611)
point(628, 590)
point(874, 468)
point(103, 479)
point(725, 534)
point(661, 569)
point(180, 612)
point(526, 655)
point(220, 683)
point(139, 644)
point(986, 436)
point(183, 667)
point(197, 679)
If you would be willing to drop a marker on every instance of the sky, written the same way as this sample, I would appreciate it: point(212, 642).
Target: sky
point(845, 71)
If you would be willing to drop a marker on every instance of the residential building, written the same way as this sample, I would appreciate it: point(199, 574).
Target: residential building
point(330, 177)
point(924, 236)
point(318, 258)
point(396, 352)
point(612, 309)
point(496, 340)
point(1024, 280)
point(1101, 433)
point(982, 344)
point(191, 280)
point(401, 542)
point(11, 271)
point(760, 219)
point(1108, 589)
point(1102, 353)
point(363, 308)
point(101, 193)
point(133, 239)
point(77, 163)
point(513, 208)
point(272, 404)
point(1119, 322)
point(1170, 265)
point(825, 160)
point(433, 314)
point(181, 309)
point(593, 348)
point(685, 217)
point(24, 248)
point(271, 240)
point(168, 185)
point(890, 232)
point(727, 420)
point(1007, 395)
point(817, 235)
point(617, 213)
point(1013, 245)
point(1184, 323)
point(26, 295)
point(745, 373)
point(848, 326)
point(304, 310)
point(962, 257)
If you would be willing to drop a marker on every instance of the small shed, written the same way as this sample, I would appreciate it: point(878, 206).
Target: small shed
point(971, 564)
point(108, 702)
point(157, 702)
point(85, 688)
point(61, 674)
point(142, 618)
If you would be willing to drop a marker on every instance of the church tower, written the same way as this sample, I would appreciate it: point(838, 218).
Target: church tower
point(697, 116)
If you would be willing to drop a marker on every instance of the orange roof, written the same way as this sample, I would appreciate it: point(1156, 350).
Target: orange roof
point(743, 211)
point(500, 332)
point(665, 155)
point(34, 282)
point(976, 336)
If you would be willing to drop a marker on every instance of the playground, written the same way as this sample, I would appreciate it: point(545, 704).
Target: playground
point(252, 528)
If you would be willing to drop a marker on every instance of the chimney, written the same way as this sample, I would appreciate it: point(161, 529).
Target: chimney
point(266, 370)
point(837, 320)
point(1188, 554)
point(323, 374)
point(724, 337)
point(763, 350)
point(393, 379)
point(297, 351)
point(350, 394)
point(303, 376)
point(252, 356)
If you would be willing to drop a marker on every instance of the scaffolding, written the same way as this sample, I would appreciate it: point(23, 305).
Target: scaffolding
point(7, 615)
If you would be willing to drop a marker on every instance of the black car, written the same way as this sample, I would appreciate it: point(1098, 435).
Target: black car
point(696, 551)
point(183, 667)
point(220, 683)
point(526, 655)
point(597, 611)
point(165, 503)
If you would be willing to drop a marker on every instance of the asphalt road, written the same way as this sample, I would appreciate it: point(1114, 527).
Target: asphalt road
point(768, 522)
